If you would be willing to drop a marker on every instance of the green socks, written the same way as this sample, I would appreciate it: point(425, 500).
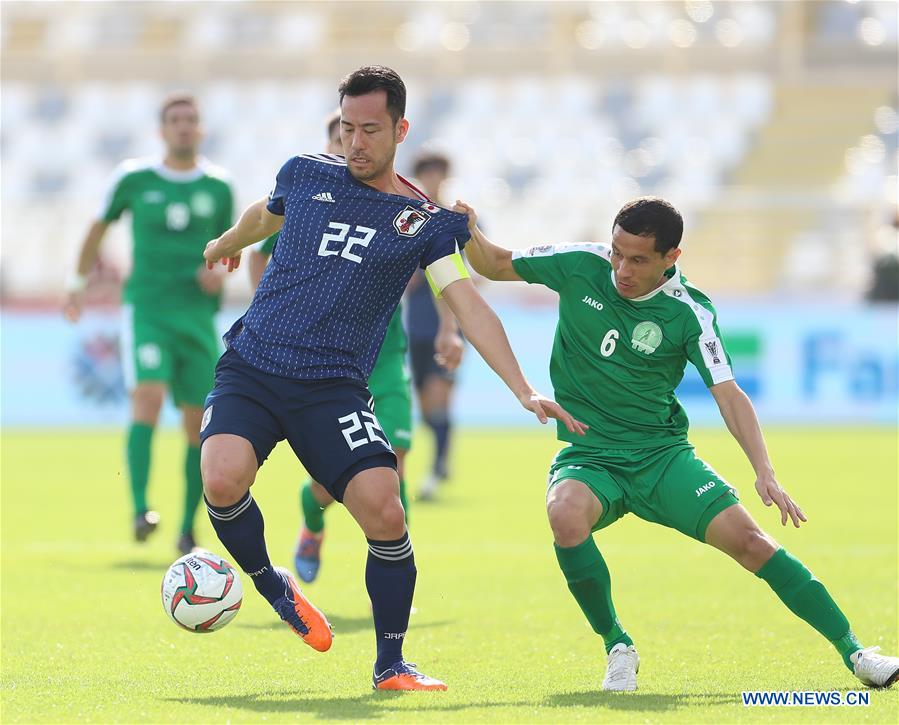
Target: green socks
point(140, 436)
point(193, 489)
point(313, 513)
point(807, 598)
point(403, 499)
point(589, 581)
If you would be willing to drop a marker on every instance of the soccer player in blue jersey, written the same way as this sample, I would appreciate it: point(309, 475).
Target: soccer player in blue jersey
point(352, 234)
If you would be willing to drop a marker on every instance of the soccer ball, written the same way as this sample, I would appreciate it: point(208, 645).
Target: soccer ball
point(201, 592)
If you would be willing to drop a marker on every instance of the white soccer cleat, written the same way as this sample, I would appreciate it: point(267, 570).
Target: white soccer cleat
point(873, 669)
point(428, 489)
point(621, 672)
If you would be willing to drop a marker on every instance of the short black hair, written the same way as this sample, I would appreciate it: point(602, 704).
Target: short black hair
point(332, 122)
point(431, 160)
point(371, 78)
point(651, 216)
point(176, 98)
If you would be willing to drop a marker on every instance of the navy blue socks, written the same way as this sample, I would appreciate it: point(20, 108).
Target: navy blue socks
point(390, 579)
point(241, 530)
point(439, 422)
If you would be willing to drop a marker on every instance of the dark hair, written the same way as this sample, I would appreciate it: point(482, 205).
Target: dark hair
point(650, 216)
point(431, 160)
point(332, 122)
point(371, 78)
point(176, 98)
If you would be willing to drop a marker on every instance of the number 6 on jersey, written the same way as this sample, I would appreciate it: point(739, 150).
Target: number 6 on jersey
point(608, 343)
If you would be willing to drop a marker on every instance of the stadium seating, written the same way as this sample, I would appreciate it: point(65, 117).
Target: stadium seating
point(544, 152)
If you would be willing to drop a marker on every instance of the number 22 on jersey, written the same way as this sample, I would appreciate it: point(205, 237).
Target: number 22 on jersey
point(361, 237)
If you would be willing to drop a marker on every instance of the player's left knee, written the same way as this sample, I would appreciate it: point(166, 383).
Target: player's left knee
point(755, 548)
point(390, 519)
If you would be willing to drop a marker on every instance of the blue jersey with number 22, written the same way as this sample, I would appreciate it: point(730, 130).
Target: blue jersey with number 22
point(344, 256)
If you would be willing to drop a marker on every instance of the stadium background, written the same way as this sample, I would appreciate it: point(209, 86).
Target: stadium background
point(771, 125)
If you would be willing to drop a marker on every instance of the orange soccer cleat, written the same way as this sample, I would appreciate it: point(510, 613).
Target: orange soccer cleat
point(302, 616)
point(404, 676)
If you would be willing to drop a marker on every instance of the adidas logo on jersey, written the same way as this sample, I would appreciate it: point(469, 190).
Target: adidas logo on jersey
point(324, 196)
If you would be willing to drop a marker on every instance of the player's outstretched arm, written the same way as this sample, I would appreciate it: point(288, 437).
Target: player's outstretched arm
point(488, 259)
point(484, 330)
point(739, 416)
point(254, 225)
point(77, 281)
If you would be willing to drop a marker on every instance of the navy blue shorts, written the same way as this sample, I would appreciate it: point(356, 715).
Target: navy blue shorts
point(329, 423)
point(424, 366)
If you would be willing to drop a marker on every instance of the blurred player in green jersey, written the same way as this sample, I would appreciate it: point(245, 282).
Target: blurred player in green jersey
point(628, 323)
point(169, 341)
point(389, 385)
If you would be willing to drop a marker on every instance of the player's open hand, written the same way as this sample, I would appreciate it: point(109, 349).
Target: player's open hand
point(462, 208)
point(212, 255)
point(544, 409)
point(771, 493)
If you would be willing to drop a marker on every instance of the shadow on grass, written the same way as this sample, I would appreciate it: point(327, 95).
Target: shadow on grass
point(638, 701)
point(333, 707)
point(343, 625)
point(140, 565)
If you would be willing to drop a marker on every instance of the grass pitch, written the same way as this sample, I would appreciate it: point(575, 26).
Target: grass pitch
point(84, 637)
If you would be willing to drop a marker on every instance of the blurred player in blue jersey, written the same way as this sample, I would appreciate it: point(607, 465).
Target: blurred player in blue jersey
point(433, 381)
point(352, 234)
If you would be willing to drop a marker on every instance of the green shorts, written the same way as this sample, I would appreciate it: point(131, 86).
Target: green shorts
point(669, 486)
point(179, 348)
point(389, 386)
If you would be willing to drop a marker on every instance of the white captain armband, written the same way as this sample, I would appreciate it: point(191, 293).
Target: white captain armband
point(445, 271)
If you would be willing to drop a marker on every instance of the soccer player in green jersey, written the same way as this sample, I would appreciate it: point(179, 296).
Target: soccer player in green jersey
point(169, 341)
point(389, 385)
point(628, 323)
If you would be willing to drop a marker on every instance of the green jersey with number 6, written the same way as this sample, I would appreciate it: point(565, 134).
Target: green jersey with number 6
point(173, 215)
point(615, 361)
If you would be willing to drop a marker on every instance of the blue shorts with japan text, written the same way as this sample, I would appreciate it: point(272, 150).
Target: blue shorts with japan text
point(329, 424)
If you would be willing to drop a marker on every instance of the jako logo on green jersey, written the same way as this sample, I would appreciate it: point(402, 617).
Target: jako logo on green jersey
point(647, 337)
point(702, 489)
point(595, 304)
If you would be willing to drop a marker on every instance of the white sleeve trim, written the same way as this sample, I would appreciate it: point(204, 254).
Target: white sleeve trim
point(129, 166)
point(710, 346)
point(548, 250)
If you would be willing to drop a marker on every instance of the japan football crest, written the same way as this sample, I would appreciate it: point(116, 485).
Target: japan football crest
point(410, 221)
